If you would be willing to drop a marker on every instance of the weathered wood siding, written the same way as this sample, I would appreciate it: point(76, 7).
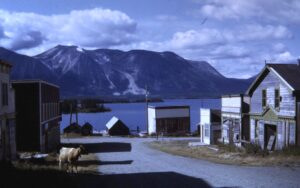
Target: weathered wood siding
point(270, 83)
point(231, 104)
point(27, 117)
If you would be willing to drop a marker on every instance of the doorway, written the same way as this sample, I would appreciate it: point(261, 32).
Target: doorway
point(270, 130)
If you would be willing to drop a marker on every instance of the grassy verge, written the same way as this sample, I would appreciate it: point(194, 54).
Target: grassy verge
point(44, 172)
point(86, 164)
point(229, 154)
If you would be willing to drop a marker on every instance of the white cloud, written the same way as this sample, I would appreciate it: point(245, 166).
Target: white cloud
point(266, 10)
point(89, 28)
point(212, 36)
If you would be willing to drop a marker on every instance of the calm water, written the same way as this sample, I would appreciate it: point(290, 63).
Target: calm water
point(134, 114)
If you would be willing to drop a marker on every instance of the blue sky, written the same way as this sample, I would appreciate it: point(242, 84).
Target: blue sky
point(236, 37)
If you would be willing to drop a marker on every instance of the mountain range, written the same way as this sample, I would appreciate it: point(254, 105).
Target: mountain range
point(106, 72)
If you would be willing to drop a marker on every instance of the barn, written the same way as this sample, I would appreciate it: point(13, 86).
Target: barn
point(115, 127)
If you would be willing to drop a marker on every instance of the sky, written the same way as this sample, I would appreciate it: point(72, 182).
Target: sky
point(237, 37)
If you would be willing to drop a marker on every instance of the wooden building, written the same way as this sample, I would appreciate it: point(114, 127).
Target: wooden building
point(275, 106)
point(38, 115)
point(235, 119)
point(210, 125)
point(168, 120)
point(115, 127)
point(7, 115)
point(87, 129)
point(73, 128)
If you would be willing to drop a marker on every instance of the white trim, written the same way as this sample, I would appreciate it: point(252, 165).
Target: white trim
point(256, 80)
point(33, 81)
point(283, 80)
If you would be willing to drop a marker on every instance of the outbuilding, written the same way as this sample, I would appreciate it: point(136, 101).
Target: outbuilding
point(115, 127)
point(73, 128)
point(169, 120)
point(87, 129)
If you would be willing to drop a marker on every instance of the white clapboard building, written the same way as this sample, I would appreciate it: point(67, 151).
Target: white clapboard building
point(210, 125)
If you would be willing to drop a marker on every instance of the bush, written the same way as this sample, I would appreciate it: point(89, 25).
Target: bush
point(255, 149)
point(229, 147)
point(289, 150)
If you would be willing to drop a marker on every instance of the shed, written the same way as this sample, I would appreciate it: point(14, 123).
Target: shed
point(169, 120)
point(115, 127)
point(73, 128)
point(87, 129)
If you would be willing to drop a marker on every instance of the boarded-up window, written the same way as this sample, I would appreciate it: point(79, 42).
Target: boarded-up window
point(292, 133)
point(4, 94)
point(277, 98)
point(264, 98)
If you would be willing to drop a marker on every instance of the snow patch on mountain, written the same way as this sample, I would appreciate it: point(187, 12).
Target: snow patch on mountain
point(111, 84)
point(132, 87)
point(79, 49)
point(116, 94)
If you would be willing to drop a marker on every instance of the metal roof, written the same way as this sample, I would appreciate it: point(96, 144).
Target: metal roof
point(288, 73)
point(112, 122)
point(167, 107)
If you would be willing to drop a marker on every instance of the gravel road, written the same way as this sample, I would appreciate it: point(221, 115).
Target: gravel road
point(132, 156)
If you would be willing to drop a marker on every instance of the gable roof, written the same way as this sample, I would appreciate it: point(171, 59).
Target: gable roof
point(288, 73)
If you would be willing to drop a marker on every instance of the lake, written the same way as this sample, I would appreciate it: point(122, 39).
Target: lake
point(134, 114)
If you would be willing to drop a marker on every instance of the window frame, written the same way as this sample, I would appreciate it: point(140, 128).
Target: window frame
point(4, 94)
point(264, 98)
point(277, 98)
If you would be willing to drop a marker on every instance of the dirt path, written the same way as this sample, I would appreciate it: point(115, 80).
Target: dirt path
point(131, 158)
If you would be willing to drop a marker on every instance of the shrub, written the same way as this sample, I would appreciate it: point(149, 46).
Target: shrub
point(255, 149)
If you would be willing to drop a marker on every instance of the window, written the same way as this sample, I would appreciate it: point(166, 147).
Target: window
point(206, 130)
point(264, 98)
point(277, 98)
point(4, 94)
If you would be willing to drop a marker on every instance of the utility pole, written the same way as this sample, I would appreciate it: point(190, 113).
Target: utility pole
point(146, 98)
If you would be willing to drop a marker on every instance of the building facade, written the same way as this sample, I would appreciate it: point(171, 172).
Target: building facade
point(7, 115)
point(275, 106)
point(38, 115)
point(210, 125)
point(235, 119)
point(116, 127)
point(168, 120)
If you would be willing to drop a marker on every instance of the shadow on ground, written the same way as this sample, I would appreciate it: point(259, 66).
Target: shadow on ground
point(101, 147)
point(97, 162)
point(12, 177)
